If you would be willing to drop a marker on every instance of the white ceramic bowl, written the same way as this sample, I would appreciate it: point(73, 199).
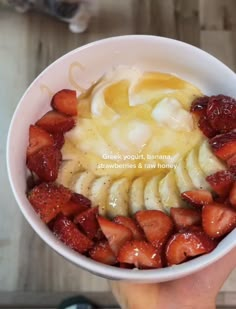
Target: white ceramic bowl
point(83, 66)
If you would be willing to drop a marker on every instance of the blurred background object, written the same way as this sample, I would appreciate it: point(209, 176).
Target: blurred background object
point(31, 274)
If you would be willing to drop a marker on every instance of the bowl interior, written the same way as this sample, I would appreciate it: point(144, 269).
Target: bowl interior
point(80, 68)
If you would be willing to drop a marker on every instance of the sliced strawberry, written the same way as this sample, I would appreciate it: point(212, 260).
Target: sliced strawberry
point(185, 245)
point(184, 217)
point(232, 195)
point(224, 145)
point(102, 253)
point(156, 225)
point(221, 112)
point(132, 225)
point(206, 128)
point(38, 138)
point(231, 162)
point(116, 234)
point(199, 106)
point(58, 140)
point(218, 219)
point(45, 163)
point(221, 182)
point(82, 200)
point(55, 122)
point(70, 235)
point(87, 220)
point(47, 200)
point(65, 102)
point(140, 254)
point(197, 197)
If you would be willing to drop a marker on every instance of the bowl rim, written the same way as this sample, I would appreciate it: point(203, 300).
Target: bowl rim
point(106, 271)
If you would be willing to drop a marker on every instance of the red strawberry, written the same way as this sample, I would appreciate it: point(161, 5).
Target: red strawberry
point(87, 220)
point(197, 197)
point(65, 102)
point(132, 225)
point(38, 138)
point(58, 140)
point(55, 122)
point(116, 234)
point(47, 200)
point(70, 235)
point(45, 163)
point(81, 200)
point(184, 217)
point(102, 253)
point(218, 219)
point(185, 245)
point(73, 207)
point(232, 195)
point(221, 112)
point(199, 106)
point(221, 182)
point(156, 225)
point(206, 128)
point(232, 161)
point(139, 253)
point(224, 145)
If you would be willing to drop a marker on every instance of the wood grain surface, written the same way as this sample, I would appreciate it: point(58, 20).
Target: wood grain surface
point(28, 43)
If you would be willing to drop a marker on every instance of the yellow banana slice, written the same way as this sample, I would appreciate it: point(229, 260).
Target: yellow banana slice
point(183, 180)
point(98, 193)
point(66, 172)
point(136, 198)
point(208, 162)
point(83, 183)
point(152, 199)
point(118, 198)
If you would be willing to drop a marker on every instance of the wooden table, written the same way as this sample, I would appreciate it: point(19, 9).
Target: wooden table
point(31, 274)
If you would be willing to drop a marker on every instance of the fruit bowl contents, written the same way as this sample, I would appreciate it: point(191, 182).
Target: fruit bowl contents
point(138, 172)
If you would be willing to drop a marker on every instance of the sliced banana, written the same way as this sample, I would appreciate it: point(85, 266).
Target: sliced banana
point(136, 198)
point(83, 183)
point(152, 199)
point(66, 172)
point(118, 198)
point(69, 151)
point(183, 180)
point(98, 193)
point(209, 163)
point(169, 193)
point(195, 172)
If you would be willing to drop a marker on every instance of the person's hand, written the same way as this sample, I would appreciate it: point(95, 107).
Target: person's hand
point(197, 291)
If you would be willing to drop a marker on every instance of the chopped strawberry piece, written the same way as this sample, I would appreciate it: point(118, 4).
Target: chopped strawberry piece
point(199, 106)
point(58, 140)
point(140, 254)
point(197, 197)
point(232, 195)
point(116, 234)
point(156, 225)
point(231, 162)
point(206, 128)
point(221, 182)
point(70, 235)
point(82, 200)
point(218, 219)
point(65, 102)
point(102, 253)
point(47, 200)
point(45, 163)
point(224, 145)
point(132, 225)
point(185, 245)
point(184, 217)
point(38, 138)
point(221, 112)
point(55, 122)
point(87, 220)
